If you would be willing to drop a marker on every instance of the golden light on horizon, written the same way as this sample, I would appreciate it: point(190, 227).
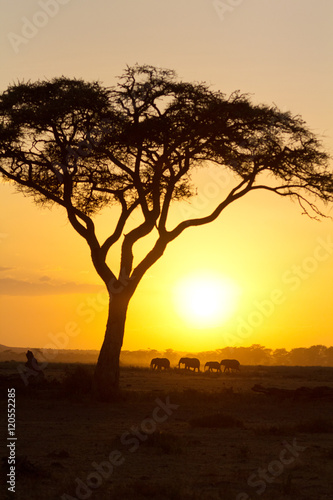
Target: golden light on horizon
point(206, 299)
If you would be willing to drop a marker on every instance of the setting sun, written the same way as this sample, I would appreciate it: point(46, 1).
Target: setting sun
point(206, 299)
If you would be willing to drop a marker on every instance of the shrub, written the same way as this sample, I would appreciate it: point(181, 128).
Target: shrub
point(217, 420)
point(273, 430)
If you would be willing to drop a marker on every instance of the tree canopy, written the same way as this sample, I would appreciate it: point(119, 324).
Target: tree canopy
point(83, 146)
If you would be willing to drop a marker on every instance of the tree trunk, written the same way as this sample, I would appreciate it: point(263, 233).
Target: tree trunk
point(106, 376)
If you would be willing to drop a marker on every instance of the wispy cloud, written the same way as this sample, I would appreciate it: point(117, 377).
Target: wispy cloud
point(10, 286)
point(4, 268)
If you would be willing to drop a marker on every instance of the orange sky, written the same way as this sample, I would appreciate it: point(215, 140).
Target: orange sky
point(274, 263)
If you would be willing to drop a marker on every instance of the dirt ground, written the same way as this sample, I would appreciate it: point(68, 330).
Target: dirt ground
point(171, 435)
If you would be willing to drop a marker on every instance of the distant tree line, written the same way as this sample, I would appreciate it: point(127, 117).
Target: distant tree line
point(256, 354)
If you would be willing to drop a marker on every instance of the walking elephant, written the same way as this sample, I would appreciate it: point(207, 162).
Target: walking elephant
point(190, 363)
point(213, 365)
point(159, 363)
point(230, 364)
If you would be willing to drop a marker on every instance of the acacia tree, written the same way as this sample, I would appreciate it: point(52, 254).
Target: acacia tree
point(84, 147)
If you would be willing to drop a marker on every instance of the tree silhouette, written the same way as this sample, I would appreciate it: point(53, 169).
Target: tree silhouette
point(281, 356)
point(84, 147)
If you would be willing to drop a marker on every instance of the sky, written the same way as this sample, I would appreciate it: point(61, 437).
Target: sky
point(265, 271)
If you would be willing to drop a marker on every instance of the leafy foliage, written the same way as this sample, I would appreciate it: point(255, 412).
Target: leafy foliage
point(84, 146)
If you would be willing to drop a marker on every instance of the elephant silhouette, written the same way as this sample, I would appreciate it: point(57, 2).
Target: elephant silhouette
point(159, 363)
point(190, 363)
point(213, 365)
point(230, 364)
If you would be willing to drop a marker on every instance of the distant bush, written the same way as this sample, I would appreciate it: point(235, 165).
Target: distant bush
point(273, 430)
point(217, 420)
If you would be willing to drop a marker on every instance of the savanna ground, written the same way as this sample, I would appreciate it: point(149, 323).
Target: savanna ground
point(171, 435)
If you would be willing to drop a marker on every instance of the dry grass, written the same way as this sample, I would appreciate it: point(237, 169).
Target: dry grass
point(316, 426)
point(207, 448)
point(77, 381)
point(165, 442)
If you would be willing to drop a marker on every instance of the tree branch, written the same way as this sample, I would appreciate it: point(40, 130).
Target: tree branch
point(88, 232)
point(111, 240)
point(130, 239)
point(155, 253)
point(232, 196)
point(138, 184)
point(303, 202)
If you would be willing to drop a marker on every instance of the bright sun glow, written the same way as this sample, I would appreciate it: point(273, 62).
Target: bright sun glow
point(206, 300)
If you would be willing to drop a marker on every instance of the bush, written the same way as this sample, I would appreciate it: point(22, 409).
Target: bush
point(217, 420)
point(273, 430)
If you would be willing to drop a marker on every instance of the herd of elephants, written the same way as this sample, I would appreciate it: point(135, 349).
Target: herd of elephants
point(161, 364)
point(194, 364)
